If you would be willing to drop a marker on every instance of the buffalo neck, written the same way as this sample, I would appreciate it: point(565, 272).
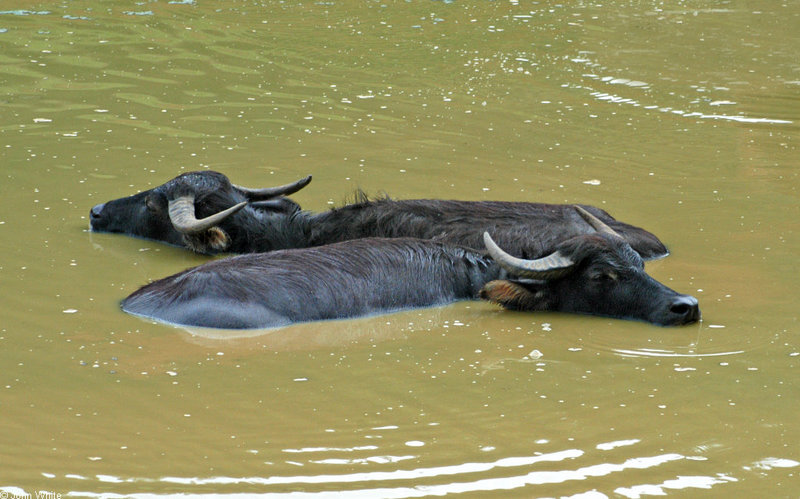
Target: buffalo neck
point(254, 231)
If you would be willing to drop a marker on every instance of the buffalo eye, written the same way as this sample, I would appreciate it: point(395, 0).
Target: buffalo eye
point(606, 277)
point(152, 203)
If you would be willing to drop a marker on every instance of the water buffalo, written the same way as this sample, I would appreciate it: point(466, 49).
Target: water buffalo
point(596, 273)
point(167, 213)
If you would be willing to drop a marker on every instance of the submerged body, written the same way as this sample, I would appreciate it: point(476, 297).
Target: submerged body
point(230, 220)
point(596, 273)
point(350, 279)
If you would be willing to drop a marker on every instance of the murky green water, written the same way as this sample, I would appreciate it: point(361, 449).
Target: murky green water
point(682, 119)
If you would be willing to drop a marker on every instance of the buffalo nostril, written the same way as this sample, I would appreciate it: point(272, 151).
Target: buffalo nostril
point(680, 309)
point(685, 306)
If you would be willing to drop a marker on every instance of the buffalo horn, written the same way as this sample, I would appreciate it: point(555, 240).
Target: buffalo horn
point(546, 267)
point(271, 192)
point(181, 213)
point(595, 222)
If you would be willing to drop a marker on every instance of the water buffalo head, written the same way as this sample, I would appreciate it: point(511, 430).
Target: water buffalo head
point(191, 210)
point(597, 273)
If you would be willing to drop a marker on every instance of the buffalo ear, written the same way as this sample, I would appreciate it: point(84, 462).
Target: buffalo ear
point(213, 240)
point(646, 244)
point(514, 295)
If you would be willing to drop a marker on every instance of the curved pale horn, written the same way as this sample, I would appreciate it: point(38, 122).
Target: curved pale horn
point(271, 192)
point(546, 267)
point(595, 222)
point(181, 214)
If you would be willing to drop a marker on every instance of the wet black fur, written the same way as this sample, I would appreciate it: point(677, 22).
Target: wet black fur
point(355, 278)
point(368, 276)
point(528, 230)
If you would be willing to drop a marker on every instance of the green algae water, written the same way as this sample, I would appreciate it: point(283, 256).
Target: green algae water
point(681, 119)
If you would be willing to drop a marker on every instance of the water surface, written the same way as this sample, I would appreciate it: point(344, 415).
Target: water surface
point(682, 119)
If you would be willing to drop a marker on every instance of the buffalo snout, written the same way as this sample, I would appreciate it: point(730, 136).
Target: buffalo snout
point(96, 212)
point(684, 309)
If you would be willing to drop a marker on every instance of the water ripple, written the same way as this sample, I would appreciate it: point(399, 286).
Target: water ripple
point(618, 99)
point(414, 474)
point(680, 482)
point(668, 353)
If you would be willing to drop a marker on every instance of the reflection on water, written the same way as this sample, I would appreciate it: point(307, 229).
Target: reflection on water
point(506, 483)
point(617, 99)
point(683, 120)
point(667, 353)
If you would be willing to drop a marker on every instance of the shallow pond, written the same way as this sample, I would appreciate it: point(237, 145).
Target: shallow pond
point(681, 119)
